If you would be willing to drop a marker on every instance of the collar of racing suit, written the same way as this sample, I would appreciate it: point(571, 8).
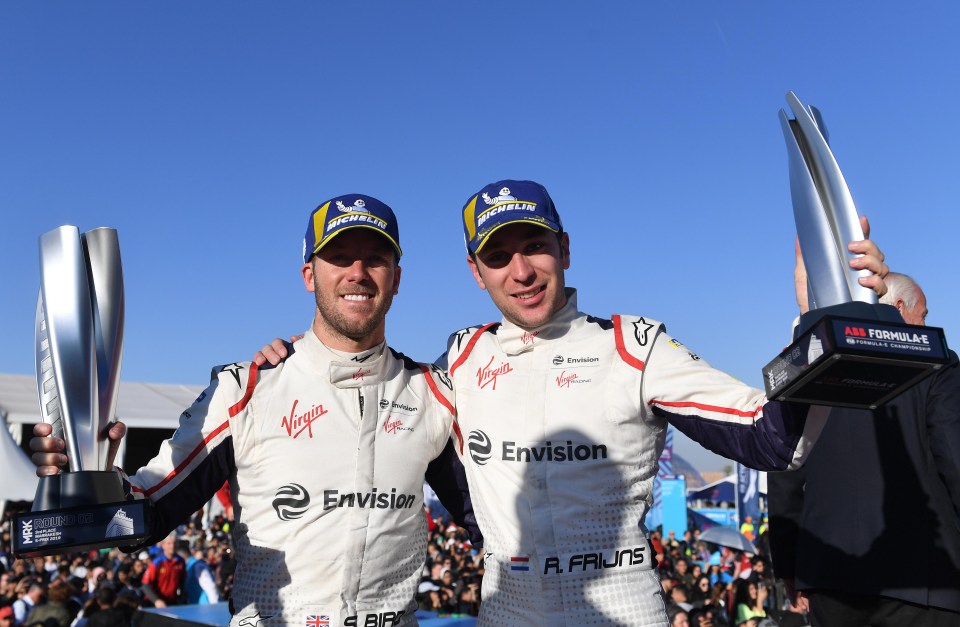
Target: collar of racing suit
point(515, 340)
point(368, 367)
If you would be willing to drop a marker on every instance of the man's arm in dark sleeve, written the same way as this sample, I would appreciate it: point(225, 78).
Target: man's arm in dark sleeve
point(943, 428)
point(785, 492)
point(448, 478)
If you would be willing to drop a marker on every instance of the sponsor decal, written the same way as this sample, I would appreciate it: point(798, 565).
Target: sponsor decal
point(479, 446)
point(360, 374)
point(26, 532)
point(381, 619)
point(521, 563)
point(693, 356)
point(392, 426)
point(362, 358)
point(233, 369)
point(253, 620)
point(356, 217)
point(368, 500)
point(291, 501)
point(400, 407)
point(442, 376)
point(855, 331)
point(358, 206)
point(503, 197)
point(605, 560)
point(675, 343)
point(120, 525)
point(566, 379)
point(641, 328)
point(550, 452)
point(527, 338)
point(297, 424)
point(560, 360)
point(460, 335)
point(318, 620)
point(487, 376)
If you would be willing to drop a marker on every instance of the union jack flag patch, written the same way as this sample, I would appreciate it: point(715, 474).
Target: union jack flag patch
point(318, 620)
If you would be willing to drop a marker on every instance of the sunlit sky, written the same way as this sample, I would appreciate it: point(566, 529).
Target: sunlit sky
point(206, 132)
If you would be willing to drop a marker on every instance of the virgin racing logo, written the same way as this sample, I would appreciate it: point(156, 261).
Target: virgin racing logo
point(566, 379)
point(488, 376)
point(295, 425)
point(392, 426)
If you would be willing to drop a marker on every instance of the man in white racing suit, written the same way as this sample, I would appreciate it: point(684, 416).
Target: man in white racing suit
point(325, 453)
point(564, 417)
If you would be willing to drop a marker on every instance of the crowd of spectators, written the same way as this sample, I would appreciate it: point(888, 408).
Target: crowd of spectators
point(703, 584)
point(105, 588)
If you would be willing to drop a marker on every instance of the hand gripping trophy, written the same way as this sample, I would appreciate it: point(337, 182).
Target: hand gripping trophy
point(79, 341)
point(849, 350)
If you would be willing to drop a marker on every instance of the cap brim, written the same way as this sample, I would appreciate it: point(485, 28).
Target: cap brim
point(535, 220)
point(327, 240)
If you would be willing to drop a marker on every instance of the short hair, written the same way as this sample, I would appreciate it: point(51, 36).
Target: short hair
point(900, 287)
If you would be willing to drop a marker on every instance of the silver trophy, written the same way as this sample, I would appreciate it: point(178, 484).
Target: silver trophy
point(850, 351)
point(79, 343)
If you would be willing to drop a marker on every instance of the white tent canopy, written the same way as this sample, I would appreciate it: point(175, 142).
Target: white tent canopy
point(140, 405)
point(143, 405)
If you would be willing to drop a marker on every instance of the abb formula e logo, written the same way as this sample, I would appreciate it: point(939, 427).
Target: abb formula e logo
point(480, 448)
point(291, 502)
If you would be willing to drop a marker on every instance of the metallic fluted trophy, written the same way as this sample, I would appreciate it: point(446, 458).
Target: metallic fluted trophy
point(79, 342)
point(849, 351)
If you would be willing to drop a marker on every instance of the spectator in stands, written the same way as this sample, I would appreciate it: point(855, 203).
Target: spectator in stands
point(678, 616)
point(53, 611)
point(165, 576)
point(201, 586)
point(30, 592)
point(748, 601)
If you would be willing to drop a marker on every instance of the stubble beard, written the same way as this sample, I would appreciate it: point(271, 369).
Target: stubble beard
point(356, 329)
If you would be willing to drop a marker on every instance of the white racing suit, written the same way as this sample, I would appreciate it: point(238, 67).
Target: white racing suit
point(326, 460)
point(563, 427)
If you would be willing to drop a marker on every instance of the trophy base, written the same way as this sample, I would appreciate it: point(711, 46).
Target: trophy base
point(854, 355)
point(79, 511)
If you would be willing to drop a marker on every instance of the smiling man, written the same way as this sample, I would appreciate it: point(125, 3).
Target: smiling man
point(564, 416)
point(325, 453)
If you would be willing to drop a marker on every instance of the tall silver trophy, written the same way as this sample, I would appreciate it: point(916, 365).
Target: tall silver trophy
point(79, 343)
point(849, 350)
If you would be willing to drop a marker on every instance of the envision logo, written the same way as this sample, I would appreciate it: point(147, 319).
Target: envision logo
point(291, 502)
point(480, 447)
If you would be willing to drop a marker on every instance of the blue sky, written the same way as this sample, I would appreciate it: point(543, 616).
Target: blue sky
point(206, 132)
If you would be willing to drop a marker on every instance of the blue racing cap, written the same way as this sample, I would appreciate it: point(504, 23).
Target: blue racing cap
point(507, 202)
point(349, 212)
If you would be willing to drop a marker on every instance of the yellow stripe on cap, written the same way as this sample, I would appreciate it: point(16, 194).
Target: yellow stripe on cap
point(468, 218)
point(319, 222)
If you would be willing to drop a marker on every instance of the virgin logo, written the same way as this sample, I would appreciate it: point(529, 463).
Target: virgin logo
point(488, 376)
point(392, 426)
point(360, 374)
point(295, 425)
point(527, 338)
point(564, 380)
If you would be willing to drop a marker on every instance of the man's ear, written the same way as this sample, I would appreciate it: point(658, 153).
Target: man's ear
point(475, 269)
point(396, 280)
point(307, 272)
